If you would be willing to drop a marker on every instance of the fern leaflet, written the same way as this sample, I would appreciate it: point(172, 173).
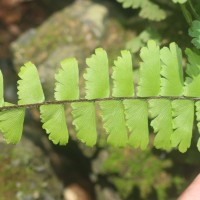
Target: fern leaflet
point(97, 76)
point(149, 9)
point(85, 122)
point(194, 32)
point(123, 76)
point(197, 104)
point(29, 82)
point(67, 80)
point(136, 112)
point(53, 119)
point(179, 1)
point(112, 113)
point(11, 124)
point(172, 81)
point(193, 79)
point(66, 88)
point(149, 83)
point(183, 113)
point(160, 111)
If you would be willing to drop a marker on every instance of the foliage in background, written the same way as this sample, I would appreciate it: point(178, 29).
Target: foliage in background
point(135, 44)
point(148, 9)
point(131, 170)
point(189, 9)
point(194, 32)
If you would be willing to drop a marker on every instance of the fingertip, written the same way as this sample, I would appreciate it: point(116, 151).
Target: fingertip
point(192, 191)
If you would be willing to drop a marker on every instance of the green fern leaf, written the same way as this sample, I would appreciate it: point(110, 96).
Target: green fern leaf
point(136, 112)
point(11, 124)
point(160, 110)
point(179, 1)
point(183, 114)
point(193, 71)
point(149, 83)
point(53, 119)
point(149, 10)
point(193, 65)
point(97, 86)
point(172, 81)
point(97, 75)
point(191, 89)
point(85, 122)
point(29, 87)
point(194, 32)
point(112, 113)
point(67, 87)
point(123, 76)
point(136, 43)
point(197, 104)
point(132, 3)
point(1, 90)
point(152, 11)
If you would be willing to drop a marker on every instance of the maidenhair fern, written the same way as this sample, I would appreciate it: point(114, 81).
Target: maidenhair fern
point(29, 80)
point(194, 32)
point(161, 97)
point(148, 9)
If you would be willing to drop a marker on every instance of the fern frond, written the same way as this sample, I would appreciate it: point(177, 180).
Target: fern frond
point(136, 112)
point(193, 72)
point(97, 86)
point(29, 87)
point(132, 3)
point(161, 94)
point(84, 116)
point(172, 71)
point(97, 76)
point(149, 9)
point(194, 32)
point(54, 122)
point(152, 11)
point(123, 76)
point(191, 84)
point(11, 121)
point(197, 105)
point(160, 111)
point(67, 80)
point(193, 65)
point(112, 113)
point(179, 1)
point(66, 88)
point(149, 83)
point(11, 124)
point(183, 114)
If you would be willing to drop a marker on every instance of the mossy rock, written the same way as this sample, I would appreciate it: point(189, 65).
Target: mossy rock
point(26, 174)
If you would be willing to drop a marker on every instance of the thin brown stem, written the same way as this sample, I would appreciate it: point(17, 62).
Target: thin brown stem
point(36, 105)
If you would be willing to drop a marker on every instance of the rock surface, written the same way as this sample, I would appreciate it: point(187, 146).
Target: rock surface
point(26, 174)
